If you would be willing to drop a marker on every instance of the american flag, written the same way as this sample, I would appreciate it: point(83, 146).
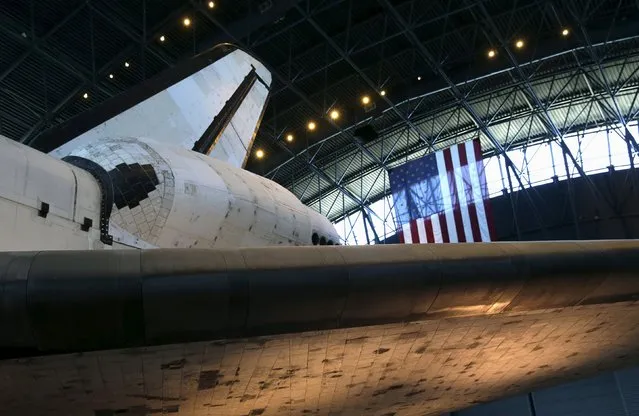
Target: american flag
point(442, 197)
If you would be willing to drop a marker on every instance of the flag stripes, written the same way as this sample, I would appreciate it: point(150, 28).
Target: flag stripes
point(462, 208)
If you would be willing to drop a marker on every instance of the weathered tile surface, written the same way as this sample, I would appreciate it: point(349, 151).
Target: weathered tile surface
point(418, 368)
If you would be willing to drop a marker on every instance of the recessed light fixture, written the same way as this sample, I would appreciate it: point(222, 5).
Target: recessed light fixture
point(519, 44)
point(186, 22)
point(492, 53)
point(382, 93)
point(565, 32)
point(334, 114)
point(126, 64)
point(366, 100)
point(85, 96)
point(162, 38)
point(110, 76)
point(289, 137)
point(259, 154)
point(311, 126)
point(211, 4)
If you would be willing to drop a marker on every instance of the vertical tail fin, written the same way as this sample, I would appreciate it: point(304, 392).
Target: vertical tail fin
point(212, 103)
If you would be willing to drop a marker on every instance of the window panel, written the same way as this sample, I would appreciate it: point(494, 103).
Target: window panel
point(539, 164)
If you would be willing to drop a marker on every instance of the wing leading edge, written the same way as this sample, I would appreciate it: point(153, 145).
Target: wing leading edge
point(173, 296)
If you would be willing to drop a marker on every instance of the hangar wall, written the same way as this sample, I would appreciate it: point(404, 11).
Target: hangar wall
point(602, 206)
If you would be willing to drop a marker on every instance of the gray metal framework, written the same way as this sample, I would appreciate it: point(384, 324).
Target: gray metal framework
point(564, 102)
point(530, 104)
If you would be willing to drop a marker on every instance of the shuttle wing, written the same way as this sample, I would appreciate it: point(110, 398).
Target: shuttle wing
point(411, 329)
point(212, 103)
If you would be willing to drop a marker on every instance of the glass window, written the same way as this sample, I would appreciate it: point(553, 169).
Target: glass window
point(594, 151)
point(539, 164)
point(494, 175)
point(558, 159)
point(619, 157)
point(384, 221)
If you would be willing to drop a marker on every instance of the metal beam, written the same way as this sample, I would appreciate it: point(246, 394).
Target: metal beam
point(368, 219)
point(437, 91)
point(31, 133)
point(543, 114)
point(366, 46)
point(616, 110)
point(131, 35)
point(36, 41)
point(366, 79)
point(58, 60)
point(453, 88)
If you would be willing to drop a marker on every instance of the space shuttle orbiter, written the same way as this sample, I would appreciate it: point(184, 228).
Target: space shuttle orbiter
point(241, 325)
point(159, 166)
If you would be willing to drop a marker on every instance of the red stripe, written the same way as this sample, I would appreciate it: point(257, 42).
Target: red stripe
point(401, 237)
point(414, 232)
point(444, 227)
point(472, 209)
point(484, 190)
point(474, 222)
point(450, 171)
point(430, 237)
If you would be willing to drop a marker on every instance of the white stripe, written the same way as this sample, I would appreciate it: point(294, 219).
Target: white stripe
point(452, 228)
point(476, 188)
point(408, 236)
point(421, 231)
point(461, 192)
point(444, 188)
point(437, 230)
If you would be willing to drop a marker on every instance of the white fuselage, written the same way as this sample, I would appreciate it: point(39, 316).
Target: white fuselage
point(163, 197)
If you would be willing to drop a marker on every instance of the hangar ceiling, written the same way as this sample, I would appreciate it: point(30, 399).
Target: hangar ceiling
point(577, 67)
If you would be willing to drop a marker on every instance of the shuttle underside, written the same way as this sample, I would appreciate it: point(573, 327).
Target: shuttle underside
point(404, 330)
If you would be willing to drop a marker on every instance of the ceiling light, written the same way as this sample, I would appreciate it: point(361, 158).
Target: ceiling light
point(492, 53)
point(289, 137)
point(111, 76)
point(85, 96)
point(565, 32)
point(162, 38)
point(211, 5)
point(382, 93)
point(419, 78)
point(311, 125)
point(519, 44)
point(259, 154)
point(366, 100)
point(126, 64)
point(186, 22)
point(334, 115)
